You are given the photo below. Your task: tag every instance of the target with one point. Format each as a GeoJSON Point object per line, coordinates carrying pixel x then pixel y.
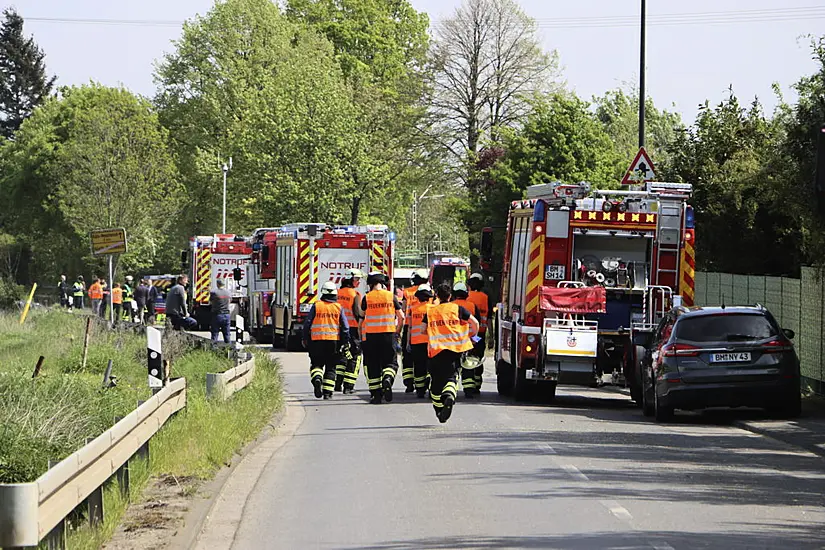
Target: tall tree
{"type": "Point", "coordinates": [488, 64]}
{"type": "Point", "coordinates": [23, 81]}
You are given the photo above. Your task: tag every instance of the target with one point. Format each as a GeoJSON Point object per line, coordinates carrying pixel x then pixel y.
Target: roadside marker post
{"type": "Point", "coordinates": [28, 304]}
{"type": "Point", "coordinates": [155, 358]}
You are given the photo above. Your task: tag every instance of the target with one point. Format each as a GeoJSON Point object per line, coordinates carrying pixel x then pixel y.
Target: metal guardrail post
{"type": "Point", "coordinates": [122, 474]}
{"type": "Point", "coordinates": [94, 502]}
{"type": "Point", "coordinates": [56, 539]}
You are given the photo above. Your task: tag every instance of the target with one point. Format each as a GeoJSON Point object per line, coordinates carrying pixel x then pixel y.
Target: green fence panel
{"type": "Point", "coordinates": [740, 290]}
{"type": "Point", "coordinates": [756, 290]}
{"type": "Point", "coordinates": [714, 289]}
{"type": "Point", "coordinates": [810, 333]}
{"type": "Point", "coordinates": [725, 288]}
{"type": "Point", "coordinates": [791, 303]}
{"type": "Point", "coordinates": [700, 287]}
{"type": "Point", "coordinates": [773, 297]}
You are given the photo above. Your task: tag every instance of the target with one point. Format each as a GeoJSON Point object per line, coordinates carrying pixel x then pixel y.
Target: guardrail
{"type": "Point", "coordinates": [31, 512]}
{"type": "Point", "coordinates": [223, 385]}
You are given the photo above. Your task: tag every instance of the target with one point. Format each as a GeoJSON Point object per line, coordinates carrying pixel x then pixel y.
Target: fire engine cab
{"type": "Point", "coordinates": [448, 270]}
{"type": "Point", "coordinates": [299, 258]}
{"type": "Point", "coordinates": [214, 257]}
{"type": "Point", "coordinates": [587, 275]}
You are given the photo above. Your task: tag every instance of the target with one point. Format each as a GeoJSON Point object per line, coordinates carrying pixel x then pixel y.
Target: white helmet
{"type": "Point", "coordinates": [421, 274]}
{"type": "Point", "coordinates": [129, 278]}
{"type": "Point", "coordinates": [353, 273]}
{"type": "Point", "coordinates": [459, 287]}
{"type": "Point", "coordinates": [329, 289]}
{"type": "Point", "coordinates": [424, 287]}
{"type": "Point", "coordinates": [478, 276]}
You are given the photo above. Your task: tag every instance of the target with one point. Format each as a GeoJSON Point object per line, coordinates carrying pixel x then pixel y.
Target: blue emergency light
{"type": "Point", "coordinates": [690, 222]}
{"type": "Point", "coordinates": [540, 211]}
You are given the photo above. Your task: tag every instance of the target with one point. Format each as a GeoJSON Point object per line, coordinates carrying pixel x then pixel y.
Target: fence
{"type": "Point", "coordinates": [796, 303]}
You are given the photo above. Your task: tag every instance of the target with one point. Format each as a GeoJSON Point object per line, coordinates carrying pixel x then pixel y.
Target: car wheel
{"type": "Point", "coordinates": [662, 413]}
{"type": "Point", "coordinates": [647, 403]}
{"type": "Point", "coordinates": [504, 378]}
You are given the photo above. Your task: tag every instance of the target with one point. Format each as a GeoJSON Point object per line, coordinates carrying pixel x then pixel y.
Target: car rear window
{"type": "Point", "coordinates": [725, 328]}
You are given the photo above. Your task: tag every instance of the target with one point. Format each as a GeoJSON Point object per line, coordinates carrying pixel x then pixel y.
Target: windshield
{"type": "Point", "coordinates": [725, 328]}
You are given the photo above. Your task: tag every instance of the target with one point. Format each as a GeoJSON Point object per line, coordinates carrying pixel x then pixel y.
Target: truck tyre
{"type": "Point", "coordinates": [285, 333]}
{"type": "Point", "coordinates": [662, 413]}
{"type": "Point", "coordinates": [634, 376]}
{"type": "Point", "coordinates": [504, 378]}
{"type": "Point", "coordinates": [522, 386]}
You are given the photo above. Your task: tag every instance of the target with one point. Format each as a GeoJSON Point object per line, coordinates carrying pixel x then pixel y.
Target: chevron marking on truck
{"type": "Point", "coordinates": [204, 273]}
{"type": "Point", "coordinates": [686, 283]}
{"type": "Point", "coordinates": [378, 257]}
{"type": "Point", "coordinates": [535, 273]}
{"type": "Point", "coordinates": [304, 292]}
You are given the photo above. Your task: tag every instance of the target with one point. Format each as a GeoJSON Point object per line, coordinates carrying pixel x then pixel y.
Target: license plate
{"type": "Point", "coordinates": [741, 357]}
{"type": "Point", "coordinates": [554, 272]}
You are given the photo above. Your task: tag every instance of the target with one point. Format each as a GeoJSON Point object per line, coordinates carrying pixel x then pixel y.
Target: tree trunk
{"type": "Point", "coordinates": [356, 210]}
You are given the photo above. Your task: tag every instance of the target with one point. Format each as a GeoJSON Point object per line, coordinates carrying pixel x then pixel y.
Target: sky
{"type": "Point", "coordinates": [695, 50]}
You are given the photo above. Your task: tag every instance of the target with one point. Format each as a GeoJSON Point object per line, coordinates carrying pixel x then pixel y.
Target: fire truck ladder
{"type": "Point", "coordinates": [669, 237]}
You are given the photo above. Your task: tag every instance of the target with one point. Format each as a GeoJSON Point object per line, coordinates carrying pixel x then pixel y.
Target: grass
{"type": "Point", "coordinates": [51, 416]}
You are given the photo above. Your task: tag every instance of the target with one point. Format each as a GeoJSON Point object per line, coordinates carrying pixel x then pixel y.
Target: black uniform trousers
{"type": "Point", "coordinates": [443, 377]}
{"type": "Point", "coordinates": [350, 363]}
{"type": "Point", "coordinates": [471, 378]}
{"type": "Point", "coordinates": [379, 358]}
{"type": "Point", "coordinates": [407, 361]}
{"type": "Point", "coordinates": [323, 357]}
{"type": "Point", "coordinates": [418, 353]}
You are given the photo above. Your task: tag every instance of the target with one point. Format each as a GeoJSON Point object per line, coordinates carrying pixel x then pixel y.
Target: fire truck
{"type": "Point", "coordinates": [448, 270]}
{"type": "Point", "coordinates": [586, 277]}
{"type": "Point", "coordinates": [299, 258]}
{"type": "Point", "coordinates": [216, 257]}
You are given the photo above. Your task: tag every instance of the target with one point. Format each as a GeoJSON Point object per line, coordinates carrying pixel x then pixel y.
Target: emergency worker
{"type": "Point", "coordinates": [449, 329]}
{"type": "Point", "coordinates": [117, 301]}
{"type": "Point", "coordinates": [104, 303]}
{"type": "Point", "coordinates": [482, 302]}
{"type": "Point", "coordinates": [417, 347]}
{"type": "Point", "coordinates": [350, 360]}
{"type": "Point", "coordinates": [96, 296]}
{"type": "Point", "coordinates": [383, 320]}
{"type": "Point", "coordinates": [63, 291]}
{"type": "Point", "coordinates": [327, 328]}
{"type": "Point", "coordinates": [407, 371]}
{"type": "Point", "coordinates": [128, 298]}
{"type": "Point", "coordinates": [468, 380]}
{"type": "Point", "coordinates": [78, 292]}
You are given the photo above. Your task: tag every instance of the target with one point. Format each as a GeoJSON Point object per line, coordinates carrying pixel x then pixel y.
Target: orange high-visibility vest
{"type": "Point", "coordinates": [410, 300]}
{"type": "Point", "coordinates": [380, 314]}
{"type": "Point", "coordinates": [418, 328]}
{"type": "Point", "coordinates": [446, 331]}
{"type": "Point", "coordinates": [468, 305]}
{"type": "Point", "coordinates": [347, 297]}
{"type": "Point", "coordinates": [117, 295]}
{"type": "Point", "coordinates": [482, 302]}
{"type": "Point", "coordinates": [325, 325]}
{"type": "Point", "coordinates": [96, 291]}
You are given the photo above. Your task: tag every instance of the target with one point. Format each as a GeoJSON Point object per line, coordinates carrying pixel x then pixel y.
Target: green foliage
{"type": "Point", "coordinates": [23, 81]}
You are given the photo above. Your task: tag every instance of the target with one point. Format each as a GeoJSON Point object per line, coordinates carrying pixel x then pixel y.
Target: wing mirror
{"type": "Point", "coordinates": [789, 333]}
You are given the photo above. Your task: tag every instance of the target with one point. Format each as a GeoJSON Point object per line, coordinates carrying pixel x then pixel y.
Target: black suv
{"type": "Point", "coordinates": [705, 357]}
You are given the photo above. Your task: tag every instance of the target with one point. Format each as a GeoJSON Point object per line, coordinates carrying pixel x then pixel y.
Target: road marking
{"type": "Point", "coordinates": [545, 448]}
{"type": "Point", "coordinates": [661, 546]}
{"type": "Point", "coordinates": [574, 472]}
{"type": "Point", "coordinates": [617, 509]}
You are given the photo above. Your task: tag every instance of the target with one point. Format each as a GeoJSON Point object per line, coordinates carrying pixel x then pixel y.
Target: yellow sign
{"type": "Point", "coordinates": [108, 241]}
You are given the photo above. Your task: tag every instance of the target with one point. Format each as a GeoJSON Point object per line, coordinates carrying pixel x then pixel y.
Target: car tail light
{"type": "Point", "coordinates": [680, 350]}
{"type": "Point", "coordinates": [776, 346]}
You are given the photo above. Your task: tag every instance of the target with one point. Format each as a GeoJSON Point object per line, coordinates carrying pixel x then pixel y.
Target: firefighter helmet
{"type": "Point", "coordinates": [419, 276]}
{"type": "Point", "coordinates": [355, 273]}
{"type": "Point", "coordinates": [329, 289]}
{"type": "Point", "coordinates": [459, 287]}
{"type": "Point", "coordinates": [376, 278]}
{"type": "Point", "coordinates": [477, 275]}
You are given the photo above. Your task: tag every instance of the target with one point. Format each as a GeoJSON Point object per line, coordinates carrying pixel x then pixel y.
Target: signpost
{"type": "Point", "coordinates": [109, 242]}
{"type": "Point", "coordinates": [641, 170]}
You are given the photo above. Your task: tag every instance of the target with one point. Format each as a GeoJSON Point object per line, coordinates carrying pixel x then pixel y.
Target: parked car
{"type": "Point", "coordinates": [703, 357]}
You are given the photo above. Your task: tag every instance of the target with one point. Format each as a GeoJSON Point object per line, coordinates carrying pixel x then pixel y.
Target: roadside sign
{"type": "Point", "coordinates": [641, 170]}
{"type": "Point", "coordinates": [108, 241]}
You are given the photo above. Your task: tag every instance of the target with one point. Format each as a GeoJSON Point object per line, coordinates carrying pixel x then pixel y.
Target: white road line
{"type": "Point", "coordinates": [617, 509]}
{"type": "Point", "coordinates": [574, 472]}
{"type": "Point", "coordinates": [545, 448]}
{"type": "Point", "coordinates": [661, 546]}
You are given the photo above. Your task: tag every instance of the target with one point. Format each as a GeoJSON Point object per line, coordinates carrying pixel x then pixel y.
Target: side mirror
{"type": "Point", "coordinates": [237, 274]}
{"type": "Point", "coordinates": [486, 248]}
{"type": "Point", "coordinates": [184, 259]}
{"type": "Point", "coordinates": [265, 253]}
{"type": "Point", "coordinates": [789, 333]}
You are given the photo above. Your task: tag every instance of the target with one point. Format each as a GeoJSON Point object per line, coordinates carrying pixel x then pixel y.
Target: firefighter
{"type": "Point", "coordinates": [383, 320]}
{"type": "Point", "coordinates": [468, 379]}
{"type": "Point", "coordinates": [482, 302]}
{"type": "Point", "coordinates": [417, 346]}
{"type": "Point", "coordinates": [327, 328]}
{"type": "Point", "coordinates": [78, 292]}
{"type": "Point", "coordinates": [449, 330]}
{"type": "Point", "coordinates": [117, 301]}
{"type": "Point", "coordinates": [350, 300]}
{"type": "Point", "coordinates": [407, 371]}
{"type": "Point", "coordinates": [96, 295]}
{"type": "Point", "coordinates": [128, 298]}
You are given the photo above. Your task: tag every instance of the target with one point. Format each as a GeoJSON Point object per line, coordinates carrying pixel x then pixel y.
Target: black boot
{"type": "Point", "coordinates": [316, 384]}
{"type": "Point", "coordinates": [339, 381]}
{"type": "Point", "coordinates": [421, 393]}
{"type": "Point", "coordinates": [327, 395]}
{"type": "Point", "coordinates": [386, 384]}
{"type": "Point", "coordinates": [447, 409]}
{"type": "Point", "coordinates": [377, 398]}
{"type": "Point", "coordinates": [410, 386]}
{"type": "Point", "coordinates": [348, 389]}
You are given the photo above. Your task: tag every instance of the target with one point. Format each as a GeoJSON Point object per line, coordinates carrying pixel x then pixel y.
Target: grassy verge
{"type": "Point", "coordinates": [50, 417]}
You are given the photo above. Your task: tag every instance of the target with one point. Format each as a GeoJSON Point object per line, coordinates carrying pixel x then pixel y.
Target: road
{"type": "Point", "coordinates": [588, 471]}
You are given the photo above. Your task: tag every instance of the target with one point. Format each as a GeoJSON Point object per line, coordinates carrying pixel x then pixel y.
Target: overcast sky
{"type": "Point", "coordinates": [696, 49]}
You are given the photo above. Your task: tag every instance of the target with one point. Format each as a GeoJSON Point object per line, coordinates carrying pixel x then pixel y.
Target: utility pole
{"type": "Point", "coordinates": [226, 169]}
{"type": "Point", "coordinates": [642, 79]}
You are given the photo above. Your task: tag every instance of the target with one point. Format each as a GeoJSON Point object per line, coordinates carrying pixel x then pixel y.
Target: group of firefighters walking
{"type": "Point", "coordinates": [440, 331]}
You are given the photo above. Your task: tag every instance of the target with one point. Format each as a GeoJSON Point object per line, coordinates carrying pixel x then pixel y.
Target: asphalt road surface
{"type": "Point", "coordinates": [587, 471]}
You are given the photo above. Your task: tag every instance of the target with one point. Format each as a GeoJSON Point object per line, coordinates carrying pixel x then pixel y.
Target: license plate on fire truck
{"type": "Point", "coordinates": [554, 272]}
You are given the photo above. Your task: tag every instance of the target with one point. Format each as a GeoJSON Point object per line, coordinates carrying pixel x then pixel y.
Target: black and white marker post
{"type": "Point", "coordinates": [155, 357]}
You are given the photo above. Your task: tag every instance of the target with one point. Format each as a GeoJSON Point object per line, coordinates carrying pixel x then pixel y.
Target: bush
{"type": "Point", "coordinates": [10, 294]}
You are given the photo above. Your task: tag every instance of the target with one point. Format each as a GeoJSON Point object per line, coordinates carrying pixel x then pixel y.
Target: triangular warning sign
{"type": "Point", "coordinates": [641, 169]}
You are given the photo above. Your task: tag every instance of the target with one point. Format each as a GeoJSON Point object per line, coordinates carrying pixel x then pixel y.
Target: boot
{"type": "Point", "coordinates": [339, 381]}
{"type": "Point", "coordinates": [447, 409]}
{"type": "Point", "coordinates": [316, 384]}
{"type": "Point", "coordinates": [421, 393]}
{"type": "Point", "coordinates": [386, 385]}
{"type": "Point", "coordinates": [348, 389]}
{"type": "Point", "coordinates": [377, 398]}
{"type": "Point", "coordinates": [410, 386]}
{"type": "Point", "coordinates": [327, 395]}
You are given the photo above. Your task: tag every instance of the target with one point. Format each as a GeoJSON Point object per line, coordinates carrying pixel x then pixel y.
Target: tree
{"type": "Point", "coordinates": [618, 111]}
{"type": "Point", "coordinates": [246, 82]}
{"type": "Point", "coordinates": [23, 81]}
{"type": "Point", "coordinates": [94, 157]}
{"type": "Point", "coordinates": [488, 65]}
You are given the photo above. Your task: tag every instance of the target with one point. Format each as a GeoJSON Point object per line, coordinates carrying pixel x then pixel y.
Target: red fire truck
{"type": "Point", "coordinates": [586, 277]}
{"type": "Point", "coordinates": [299, 258]}
{"type": "Point", "coordinates": [211, 258]}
